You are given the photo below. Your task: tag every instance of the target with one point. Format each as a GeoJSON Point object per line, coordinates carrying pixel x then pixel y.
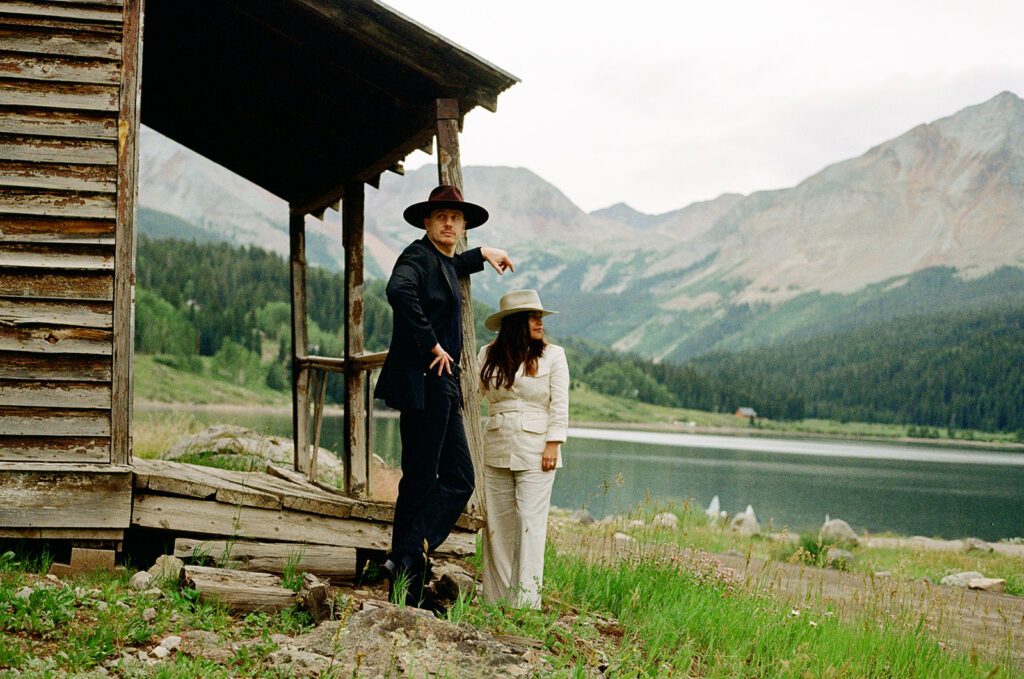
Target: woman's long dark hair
{"type": "Point", "coordinates": [512, 348]}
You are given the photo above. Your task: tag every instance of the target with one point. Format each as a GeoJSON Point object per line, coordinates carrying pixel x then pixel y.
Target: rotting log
{"type": "Point", "coordinates": [271, 557]}
{"type": "Point", "coordinates": [238, 591]}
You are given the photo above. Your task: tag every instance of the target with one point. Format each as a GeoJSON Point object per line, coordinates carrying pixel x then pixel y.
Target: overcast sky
{"type": "Point", "coordinates": [659, 103]}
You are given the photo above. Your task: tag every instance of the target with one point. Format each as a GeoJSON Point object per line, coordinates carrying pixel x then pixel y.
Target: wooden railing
{"type": "Point", "coordinates": [356, 449]}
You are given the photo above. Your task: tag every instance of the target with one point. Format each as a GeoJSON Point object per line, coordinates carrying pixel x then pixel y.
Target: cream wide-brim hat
{"type": "Point", "coordinates": [513, 303]}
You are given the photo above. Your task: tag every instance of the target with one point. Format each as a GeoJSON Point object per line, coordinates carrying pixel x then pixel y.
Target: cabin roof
{"type": "Point", "coordinates": [300, 96]}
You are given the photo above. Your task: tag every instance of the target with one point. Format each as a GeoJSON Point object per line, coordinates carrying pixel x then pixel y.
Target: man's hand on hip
{"type": "Point", "coordinates": [498, 259]}
{"type": "Point", "coordinates": [442, 360]}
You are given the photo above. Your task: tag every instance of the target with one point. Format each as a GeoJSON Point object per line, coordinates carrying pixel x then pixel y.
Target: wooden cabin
{"type": "Point", "coordinates": [309, 99]}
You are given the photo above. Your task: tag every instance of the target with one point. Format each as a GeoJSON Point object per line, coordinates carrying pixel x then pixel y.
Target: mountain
{"type": "Point", "coordinates": [941, 205]}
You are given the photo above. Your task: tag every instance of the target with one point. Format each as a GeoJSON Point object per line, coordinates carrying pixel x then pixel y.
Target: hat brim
{"type": "Point", "coordinates": [417, 212]}
{"type": "Point", "coordinates": [493, 322]}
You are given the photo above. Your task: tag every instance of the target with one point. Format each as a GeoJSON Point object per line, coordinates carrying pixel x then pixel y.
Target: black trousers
{"type": "Point", "coordinates": [437, 471]}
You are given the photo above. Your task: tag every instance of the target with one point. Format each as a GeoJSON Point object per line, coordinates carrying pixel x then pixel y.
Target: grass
{"type": "Point", "coordinates": [158, 381]}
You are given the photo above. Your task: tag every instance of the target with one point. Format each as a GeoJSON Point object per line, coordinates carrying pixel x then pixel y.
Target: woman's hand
{"type": "Point", "coordinates": [549, 460]}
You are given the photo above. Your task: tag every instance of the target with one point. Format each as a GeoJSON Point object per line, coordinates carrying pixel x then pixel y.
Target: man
{"type": "Point", "coordinates": [420, 379]}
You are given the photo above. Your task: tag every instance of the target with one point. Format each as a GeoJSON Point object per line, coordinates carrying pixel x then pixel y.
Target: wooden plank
{"type": "Point", "coordinates": [71, 96]}
{"type": "Point", "coordinates": [57, 256]}
{"type": "Point", "coordinates": [176, 478]}
{"type": "Point", "coordinates": [27, 202]}
{"type": "Point", "coordinates": [271, 557]}
{"type": "Point", "coordinates": [56, 177]}
{"type": "Point", "coordinates": [124, 257]}
{"type": "Point", "coordinates": [57, 341]}
{"type": "Point", "coordinates": [51, 449]}
{"type": "Point", "coordinates": [355, 457]}
{"type": "Point", "coordinates": [70, 44]}
{"type": "Point", "coordinates": [53, 422]}
{"type": "Point", "coordinates": [55, 394]}
{"type": "Point", "coordinates": [305, 499]}
{"type": "Point", "coordinates": [103, 534]}
{"type": "Point", "coordinates": [239, 591]}
{"type": "Point", "coordinates": [56, 367]}
{"type": "Point", "coordinates": [37, 229]}
{"type": "Point", "coordinates": [59, 69]}
{"type": "Point", "coordinates": [31, 312]}
{"type": "Point", "coordinates": [49, 123]}
{"type": "Point", "coordinates": [108, 14]}
{"type": "Point", "coordinates": [65, 496]}
{"type": "Point", "coordinates": [57, 150]}
{"type": "Point", "coordinates": [218, 519]}
{"type": "Point", "coordinates": [91, 285]}
{"type": "Point", "coordinates": [300, 346]}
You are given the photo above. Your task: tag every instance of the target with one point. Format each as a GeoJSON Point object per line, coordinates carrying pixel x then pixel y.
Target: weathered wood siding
{"type": "Point", "coordinates": [67, 70]}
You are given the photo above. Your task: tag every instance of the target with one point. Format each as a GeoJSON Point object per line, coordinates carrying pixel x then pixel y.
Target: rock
{"type": "Point", "coordinates": [745, 524]}
{"type": "Point", "coordinates": [838, 532]}
{"type": "Point", "coordinates": [838, 558]}
{"type": "Point", "coordinates": [883, 574]}
{"type": "Point", "coordinates": [665, 520]}
{"type": "Point", "coordinates": [154, 591]}
{"type": "Point", "coordinates": [635, 524]}
{"type": "Point", "coordinates": [734, 552]}
{"type": "Point", "coordinates": [453, 581]}
{"type": "Point", "coordinates": [625, 542]}
{"type": "Point", "coordinates": [972, 544]}
{"type": "Point", "coordinates": [925, 580]}
{"type": "Point", "coordinates": [291, 663]}
{"type": "Point", "coordinates": [53, 578]}
{"type": "Point", "coordinates": [171, 642]}
{"type": "Point", "coordinates": [140, 581]}
{"type": "Point", "coordinates": [582, 516]}
{"type": "Point", "coordinates": [24, 593]}
{"type": "Point", "coordinates": [203, 644]}
{"type": "Point", "coordinates": [987, 584]}
{"type": "Point", "coordinates": [960, 579]}
{"type": "Point", "coordinates": [231, 442]}
{"type": "Point", "coordinates": [101, 606]}
{"type": "Point", "coordinates": [160, 652]}
{"type": "Point", "coordinates": [149, 615]}
{"type": "Point", "coordinates": [167, 567]}
{"type": "Point", "coordinates": [143, 656]}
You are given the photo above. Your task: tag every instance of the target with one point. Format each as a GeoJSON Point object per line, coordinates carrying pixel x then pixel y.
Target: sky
{"type": "Point", "coordinates": [660, 104]}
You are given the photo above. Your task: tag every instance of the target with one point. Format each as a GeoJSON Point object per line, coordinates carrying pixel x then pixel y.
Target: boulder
{"type": "Point", "coordinates": [960, 579]}
{"type": "Point", "coordinates": [974, 544]}
{"type": "Point", "coordinates": [582, 516]}
{"type": "Point", "coordinates": [635, 524]}
{"type": "Point", "coordinates": [746, 523]}
{"type": "Point", "coordinates": [140, 581]}
{"type": "Point", "coordinates": [232, 442]}
{"type": "Point", "coordinates": [837, 532]}
{"type": "Point", "coordinates": [166, 567]}
{"type": "Point", "coordinates": [838, 558]}
{"type": "Point", "coordinates": [453, 581]}
{"type": "Point", "coordinates": [665, 520]}
{"type": "Point", "coordinates": [987, 584]}
{"type": "Point", "coordinates": [625, 542]}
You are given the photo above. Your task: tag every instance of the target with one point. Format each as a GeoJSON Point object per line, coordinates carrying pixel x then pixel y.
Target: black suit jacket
{"type": "Point", "coordinates": [421, 299]}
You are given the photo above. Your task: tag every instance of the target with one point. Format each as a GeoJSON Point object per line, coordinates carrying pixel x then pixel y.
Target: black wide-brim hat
{"type": "Point", "coordinates": [445, 197]}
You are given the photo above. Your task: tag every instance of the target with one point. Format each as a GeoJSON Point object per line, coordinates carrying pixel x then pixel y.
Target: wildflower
{"type": "Point", "coordinates": [812, 623]}
{"type": "Point", "coordinates": [795, 612]}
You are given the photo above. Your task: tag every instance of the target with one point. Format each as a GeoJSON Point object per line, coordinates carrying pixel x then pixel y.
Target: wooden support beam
{"type": "Point", "coordinates": [271, 557]}
{"type": "Point", "coordinates": [300, 345]}
{"type": "Point", "coordinates": [124, 236]}
{"type": "Point", "coordinates": [356, 455]}
{"type": "Point", "coordinates": [78, 496]}
{"type": "Point", "coordinates": [238, 591]}
{"type": "Point", "coordinates": [320, 391]}
{"type": "Point", "coordinates": [449, 171]}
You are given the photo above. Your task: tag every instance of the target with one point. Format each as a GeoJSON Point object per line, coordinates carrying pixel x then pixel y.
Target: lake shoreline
{"type": "Point", "coordinates": [658, 427]}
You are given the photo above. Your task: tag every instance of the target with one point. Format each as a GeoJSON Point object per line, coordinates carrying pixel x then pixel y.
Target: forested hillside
{"type": "Point", "coordinates": [954, 369]}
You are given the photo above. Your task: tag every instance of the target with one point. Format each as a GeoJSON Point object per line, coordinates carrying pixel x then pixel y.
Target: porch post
{"type": "Point", "coordinates": [449, 171]}
{"type": "Point", "coordinates": [356, 452]}
{"type": "Point", "coordinates": [300, 349]}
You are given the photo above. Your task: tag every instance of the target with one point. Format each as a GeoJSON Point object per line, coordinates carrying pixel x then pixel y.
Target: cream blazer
{"type": "Point", "coordinates": [524, 418]}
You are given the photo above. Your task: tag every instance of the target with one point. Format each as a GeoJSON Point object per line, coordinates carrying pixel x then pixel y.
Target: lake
{"type": "Point", "coordinates": [911, 490]}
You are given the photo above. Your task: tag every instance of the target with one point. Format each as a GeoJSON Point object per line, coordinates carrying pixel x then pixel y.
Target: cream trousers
{"type": "Point", "coordinates": [517, 524]}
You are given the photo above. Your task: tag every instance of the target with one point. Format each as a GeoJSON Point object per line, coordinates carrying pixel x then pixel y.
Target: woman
{"type": "Point", "coordinates": [526, 383]}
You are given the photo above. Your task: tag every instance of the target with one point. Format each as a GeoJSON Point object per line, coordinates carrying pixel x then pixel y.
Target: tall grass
{"type": "Point", "coordinates": [686, 616]}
